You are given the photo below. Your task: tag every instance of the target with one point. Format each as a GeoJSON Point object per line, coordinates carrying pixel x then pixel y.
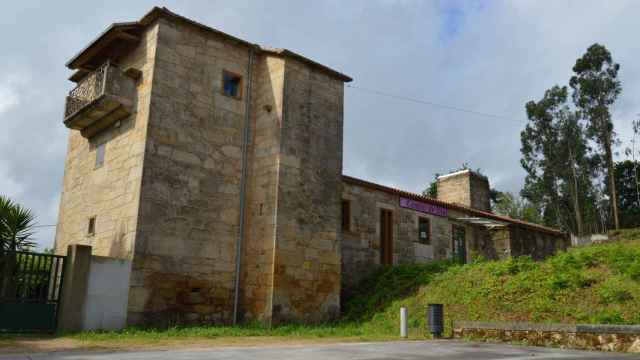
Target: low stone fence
{"type": "Point", "coordinates": [622, 338]}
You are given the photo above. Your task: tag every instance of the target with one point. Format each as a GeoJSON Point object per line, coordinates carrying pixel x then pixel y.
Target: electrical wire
{"type": "Point", "coordinates": [426, 102]}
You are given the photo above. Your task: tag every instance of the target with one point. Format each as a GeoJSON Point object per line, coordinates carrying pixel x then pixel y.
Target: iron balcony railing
{"type": "Point", "coordinates": [101, 98]}
{"type": "Point", "coordinates": [88, 89]}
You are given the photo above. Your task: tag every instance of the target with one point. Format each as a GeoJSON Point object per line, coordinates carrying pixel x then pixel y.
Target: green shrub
{"type": "Point", "coordinates": [614, 290]}
{"type": "Point", "coordinates": [633, 271]}
{"type": "Point", "coordinates": [608, 316]}
{"type": "Point", "coordinates": [590, 284]}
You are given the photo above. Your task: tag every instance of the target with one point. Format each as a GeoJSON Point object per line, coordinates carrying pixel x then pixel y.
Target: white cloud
{"type": "Point", "coordinates": [487, 56]}
{"type": "Point", "coordinates": [9, 96]}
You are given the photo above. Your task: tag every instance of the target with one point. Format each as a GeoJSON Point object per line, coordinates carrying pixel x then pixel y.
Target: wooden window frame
{"type": "Point", "coordinates": [240, 84]}
{"type": "Point", "coordinates": [428, 220]}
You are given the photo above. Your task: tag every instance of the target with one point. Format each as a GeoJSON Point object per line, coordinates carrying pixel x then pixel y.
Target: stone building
{"type": "Point", "coordinates": [215, 166]}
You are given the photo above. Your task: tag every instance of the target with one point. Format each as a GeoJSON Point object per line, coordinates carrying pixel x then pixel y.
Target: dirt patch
{"type": "Point", "coordinates": [56, 344]}
{"type": "Point", "coordinates": [37, 344]}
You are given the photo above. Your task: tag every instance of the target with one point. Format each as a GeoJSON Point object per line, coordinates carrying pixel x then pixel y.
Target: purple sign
{"type": "Point", "coordinates": [423, 207]}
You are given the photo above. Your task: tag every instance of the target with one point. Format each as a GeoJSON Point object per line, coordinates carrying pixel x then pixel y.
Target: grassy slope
{"type": "Point", "coordinates": [593, 284]}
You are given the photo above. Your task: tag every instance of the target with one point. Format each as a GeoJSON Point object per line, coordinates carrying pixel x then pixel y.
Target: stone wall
{"type": "Point", "coordinates": [306, 284]}
{"type": "Point", "coordinates": [262, 189]}
{"type": "Point", "coordinates": [588, 337]}
{"type": "Point", "coordinates": [361, 245]}
{"type": "Point", "coordinates": [111, 192]}
{"type": "Point", "coordinates": [536, 244]}
{"type": "Point", "coordinates": [184, 263]}
{"type": "Point", "coordinates": [492, 244]}
{"type": "Point", "coordinates": [466, 188]}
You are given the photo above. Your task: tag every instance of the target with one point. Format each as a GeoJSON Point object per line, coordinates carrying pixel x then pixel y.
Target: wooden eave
{"type": "Point", "coordinates": [129, 32]}
{"type": "Point", "coordinates": [113, 42]}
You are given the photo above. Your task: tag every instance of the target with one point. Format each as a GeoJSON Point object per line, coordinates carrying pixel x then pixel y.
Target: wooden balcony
{"type": "Point", "coordinates": [101, 98]}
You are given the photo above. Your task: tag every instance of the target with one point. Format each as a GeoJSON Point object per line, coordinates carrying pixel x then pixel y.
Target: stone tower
{"type": "Point", "coordinates": [212, 164]}
{"type": "Point", "coordinates": [465, 187]}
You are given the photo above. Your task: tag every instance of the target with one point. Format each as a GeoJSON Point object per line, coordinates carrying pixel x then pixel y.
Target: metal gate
{"type": "Point", "coordinates": [30, 286]}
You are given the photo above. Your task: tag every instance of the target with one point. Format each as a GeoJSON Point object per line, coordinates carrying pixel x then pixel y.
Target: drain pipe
{"type": "Point", "coordinates": [243, 184]}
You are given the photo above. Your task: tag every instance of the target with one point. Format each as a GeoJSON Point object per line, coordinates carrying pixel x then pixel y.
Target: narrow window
{"type": "Point", "coordinates": [231, 84]}
{"type": "Point", "coordinates": [346, 215]}
{"type": "Point", "coordinates": [386, 237]}
{"type": "Point", "coordinates": [91, 228]}
{"type": "Point", "coordinates": [424, 231]}
{"type": "Point", "coordinates": [100, 155]}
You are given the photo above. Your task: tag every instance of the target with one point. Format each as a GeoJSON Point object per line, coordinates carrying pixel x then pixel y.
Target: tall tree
{"type": "Point", "coordinates": [634, 153]}
{"type": "Point", "coordinates": [555, 156]}
{"type": "Point", "coordinates": [628, 200]}
{"type": "Point", "coordinates": [595, 88]}
{"type": "Point", "coordinates": [508, 204]}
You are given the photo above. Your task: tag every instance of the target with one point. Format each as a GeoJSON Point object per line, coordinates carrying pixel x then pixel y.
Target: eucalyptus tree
{"type": "Point", "coordinates": [556, 157]}
{"type": "Point", "coordinates": [634, 152]}
{"type": "Point", "coordinates": [596, 87]}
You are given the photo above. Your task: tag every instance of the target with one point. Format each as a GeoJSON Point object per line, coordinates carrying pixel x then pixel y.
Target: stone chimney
{"type": "Point", "coordinates": [465, 187]}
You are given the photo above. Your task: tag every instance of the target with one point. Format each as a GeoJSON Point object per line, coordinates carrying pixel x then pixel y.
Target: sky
{"type": "Point", "coordinates": [484, 56]}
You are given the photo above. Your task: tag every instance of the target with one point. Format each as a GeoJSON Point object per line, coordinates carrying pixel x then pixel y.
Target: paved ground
{"type": "Point", "coordinates": [445, 349]}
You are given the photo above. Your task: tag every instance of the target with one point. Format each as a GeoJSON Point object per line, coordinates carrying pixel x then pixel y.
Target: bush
{"type": "Point", "coordinates": [591, 284]}
{"type": "Point", "coordinates": [614, 290]}
{"type": "Point", "coordinates": [608, 316]}
{"type": "Point", "coordinates": [633, 271]}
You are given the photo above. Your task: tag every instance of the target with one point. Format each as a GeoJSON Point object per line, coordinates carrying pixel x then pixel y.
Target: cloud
{"type": "Point", "coordinates": [9, 96]}
{"type": "Point", "coordinates": [489, 56]}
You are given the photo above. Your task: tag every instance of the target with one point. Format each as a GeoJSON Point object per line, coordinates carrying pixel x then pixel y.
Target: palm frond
{"type": "Point", "coordinates": [16, 226]}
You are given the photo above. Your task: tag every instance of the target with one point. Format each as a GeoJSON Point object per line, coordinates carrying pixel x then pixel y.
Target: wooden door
{"type": "Point", "coordinates": [386, 237]}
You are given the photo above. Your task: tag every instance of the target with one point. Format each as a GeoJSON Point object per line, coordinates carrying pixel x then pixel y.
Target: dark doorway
{"type": "Point", "coordinates": [459, 244]}
{"type": "Point", "coordinates": [386, 237]}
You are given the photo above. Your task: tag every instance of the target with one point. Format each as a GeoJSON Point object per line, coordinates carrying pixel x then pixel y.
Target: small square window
{"type": "Point", "coordinates": [100, 152]}
{"type": "Point", "coordinates": [91, 228]}
{"type": "Point", "coordinates": [424, 231]}
{"type": "Point", "coordinates": [231, 84]}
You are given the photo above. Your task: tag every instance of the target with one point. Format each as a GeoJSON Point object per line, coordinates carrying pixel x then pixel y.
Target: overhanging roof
{"type": "Point", "coordinates": [488, 223]}
{"type": "Point", "coordinates": [123, 29]}
{"type": "Point", "coordinates": [453, 206]}
{"type": "Point", "coordinates": [116, 31]}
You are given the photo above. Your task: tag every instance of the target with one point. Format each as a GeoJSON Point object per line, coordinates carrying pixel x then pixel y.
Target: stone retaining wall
{"type": "Point", "coordinates": [623, 338]}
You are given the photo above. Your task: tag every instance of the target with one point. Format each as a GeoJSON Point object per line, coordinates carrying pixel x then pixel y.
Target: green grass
{"type": "Point", "coordinates": [336, 330]}
{"type": "Point", "coordinates": [597, 284]}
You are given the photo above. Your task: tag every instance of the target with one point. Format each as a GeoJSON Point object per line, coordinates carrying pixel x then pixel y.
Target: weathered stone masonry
{"type": "Point", "coordinates": [485, 234]}
{"type": "Point", "coordinates": [169, 195]}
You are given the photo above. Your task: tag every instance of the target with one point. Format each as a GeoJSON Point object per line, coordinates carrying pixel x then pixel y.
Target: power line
{"type": "Point", "coordinates": [39, 226]}
{"type": "Point", "coordinates": [426, 102]}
